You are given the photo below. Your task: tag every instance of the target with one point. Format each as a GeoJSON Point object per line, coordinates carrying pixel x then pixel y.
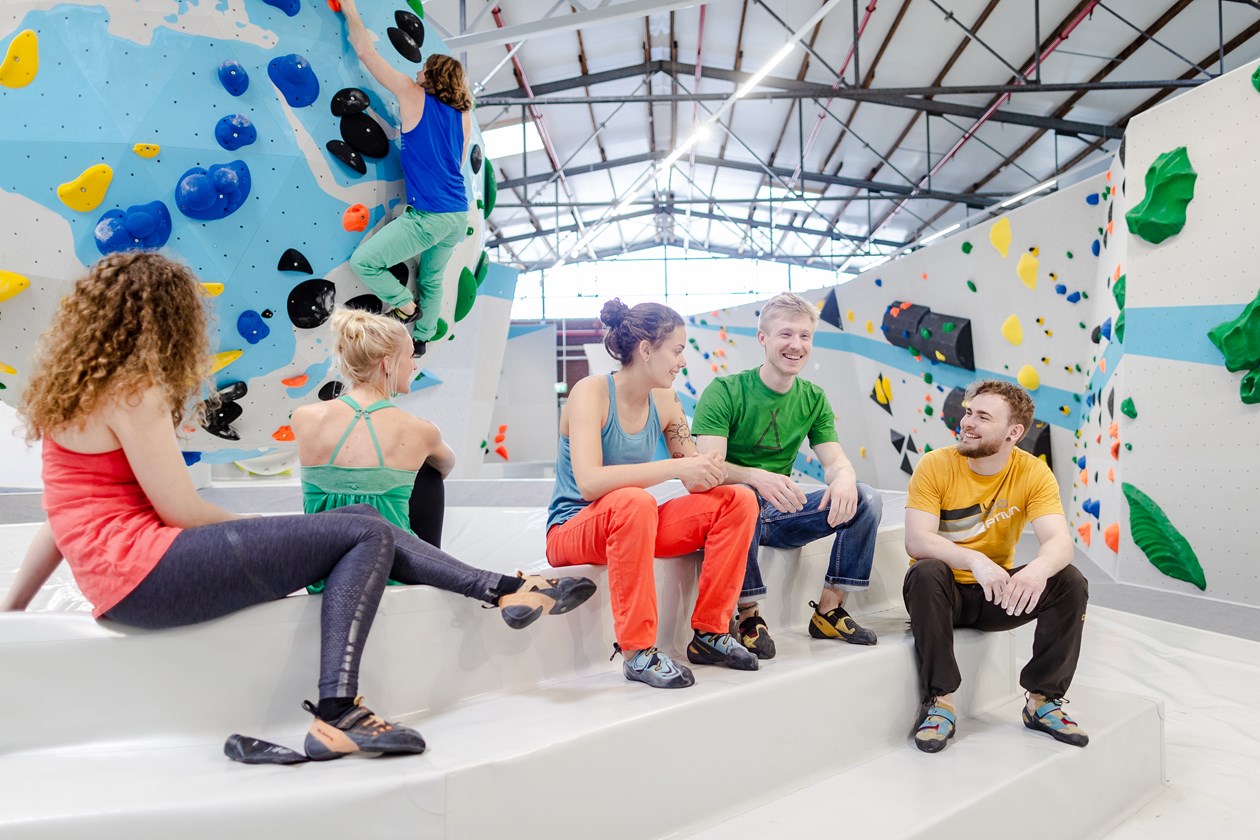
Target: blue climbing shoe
{"type": "Point", "coordinates": [655, 668]}
{"type": "Point", "coordinates": [720, 649]}
{"type": "Point", "coordinates": [936, 728]}
{"type": "Point", "coordinates": [1052, 720]}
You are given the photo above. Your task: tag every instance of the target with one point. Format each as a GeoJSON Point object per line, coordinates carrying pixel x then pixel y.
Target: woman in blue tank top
{"type": "Point", "coordinates": [600, 512]}
{"type": "Point", "coordinates": [435, 111]}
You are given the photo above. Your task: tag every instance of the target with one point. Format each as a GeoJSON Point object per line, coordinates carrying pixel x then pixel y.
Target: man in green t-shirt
{"type": "Point", "coordinates": [757, 421]}
{"type": "Point", "coordinates": [965, 511]}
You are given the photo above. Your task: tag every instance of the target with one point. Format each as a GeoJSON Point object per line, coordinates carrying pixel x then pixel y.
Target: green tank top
{"type": "Point", "coordinates": [388, 489]}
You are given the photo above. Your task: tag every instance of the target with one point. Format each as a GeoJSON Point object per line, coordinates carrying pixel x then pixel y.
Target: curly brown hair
{"type": "Point", "coordinates": [135, 320]}
{"type": "Point", "coordinates": [445, 80]}
{"type": "Point", "coordinates": [1016, 398]}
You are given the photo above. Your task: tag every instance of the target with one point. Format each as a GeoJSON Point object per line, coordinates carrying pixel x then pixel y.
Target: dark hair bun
{"type": "Point", "coordinates": [614, 313]}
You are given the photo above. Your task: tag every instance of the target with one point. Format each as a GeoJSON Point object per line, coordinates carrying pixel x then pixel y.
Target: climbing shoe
{"type": "Point", "coordinates": [1052, 720]}
{"type": "Point", "coordinates": [404, 317]}
{"type": "Point", "coordinates": [358, 730]}
{"type": "Point", "coordinates": [754, 635]}
{"type": "Point", "coordinates": [538, 594]}
{"type": "Point", "coordinates": [720, 649]}
{"type": "Point", "coordinates": [838, 624]}
{"type": "Point", "coordinates": [654, 668]}
{"type": "Point", "coordinates": [936, 728]}
{"type": "Point", "coordinates": [418, 348]}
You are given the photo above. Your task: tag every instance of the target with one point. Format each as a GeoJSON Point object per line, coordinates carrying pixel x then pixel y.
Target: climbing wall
{"type": "Point", "coordinates": [525, 412]}
{"type": "Point", "coordinates": [242, 138]}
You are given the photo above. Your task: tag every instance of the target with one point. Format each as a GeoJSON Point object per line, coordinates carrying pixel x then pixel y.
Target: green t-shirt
{"type": "Point", "coordinates": [763, 428]}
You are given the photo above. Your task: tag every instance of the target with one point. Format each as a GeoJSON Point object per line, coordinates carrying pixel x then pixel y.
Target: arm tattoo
{"type": "Point", "coordinates": [678, 432]}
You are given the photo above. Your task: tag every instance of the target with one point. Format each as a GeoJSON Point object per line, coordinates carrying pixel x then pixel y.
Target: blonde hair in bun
{"type": "Point", "coordinates": [361, 340]}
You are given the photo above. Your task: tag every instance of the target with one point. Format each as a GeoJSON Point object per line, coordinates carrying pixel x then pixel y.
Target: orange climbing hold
{"type": "Point", "coordinates": [283, 434]}
{"type": "Point", "coordinates": [335, 5]}
{"type": "Point", "coordinates": [499, 438]}
{"type": "Point", "coordinates": [1102, 365]}
{"type": "Point", "coordinates": [1114, 430]}
{"type": "Point", "coordinates": [1111, 474]}
{"type": "Point", "coordinates": [1115, 450]}
{"type": "Point", "coordinates": [295, 381]}
{"type": "Point", "coordinates": [1085, 477]}
{"type": "Point", "coordinates": [1086, 533]}
{"type": "Point", "coordinates": [501, 451]}
{"type": "Point", "coordinates": [1112, 536]}
{"type": "Point", "coordinates": [355, 218]}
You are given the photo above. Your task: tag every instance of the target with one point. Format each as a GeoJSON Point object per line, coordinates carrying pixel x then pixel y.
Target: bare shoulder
{"type": "Point", "coordinates": [590, 388]}
{"type": "Point", "coordinates": [668, 405]}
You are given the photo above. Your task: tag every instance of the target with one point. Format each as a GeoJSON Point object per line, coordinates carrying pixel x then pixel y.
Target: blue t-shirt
{"type": "Point", "coordinates": [432, 159]}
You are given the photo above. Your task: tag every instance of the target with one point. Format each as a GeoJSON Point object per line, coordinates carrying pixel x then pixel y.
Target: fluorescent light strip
{"type": "Point", "coordinates": [925, 240]}
{"type": "Point", "coordinates": [1017, 199]}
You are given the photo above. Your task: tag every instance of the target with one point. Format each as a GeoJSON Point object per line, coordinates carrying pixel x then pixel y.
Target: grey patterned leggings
{"type": "Point", "coordinates": [218, 569]}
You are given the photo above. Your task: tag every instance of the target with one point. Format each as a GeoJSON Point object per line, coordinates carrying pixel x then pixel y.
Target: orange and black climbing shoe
{"type": "Point", "coordinates": [358, 730]}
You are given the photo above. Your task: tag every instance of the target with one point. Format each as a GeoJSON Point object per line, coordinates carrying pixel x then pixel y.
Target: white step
{"type": "Point", "coordinates": [591, 756]}
{"type": "Point", "coordinates": [996, 779]}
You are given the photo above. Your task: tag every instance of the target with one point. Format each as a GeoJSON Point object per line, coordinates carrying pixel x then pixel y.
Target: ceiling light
{"type": "Point", "coordinates": [507, 141]}
{"type": "Point", "coordinates": [1017, 199]}
{"type": "Point", "coordinates": [925, 240]}
{"type": "Point", "coordinates": [755, 78]}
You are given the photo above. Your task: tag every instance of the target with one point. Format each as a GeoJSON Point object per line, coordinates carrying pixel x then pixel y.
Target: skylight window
{"type": "Point", "coordinates": [505, 141]}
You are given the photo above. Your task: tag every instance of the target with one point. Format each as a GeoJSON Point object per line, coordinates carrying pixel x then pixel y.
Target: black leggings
{"type": "Point", "coordinates": [218, 569]}
{"type": "Point", "coordinates": [428, 505]}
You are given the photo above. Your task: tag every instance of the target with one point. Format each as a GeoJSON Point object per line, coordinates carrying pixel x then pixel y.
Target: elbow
{"type": "Point", "coordinates": [586, 489]}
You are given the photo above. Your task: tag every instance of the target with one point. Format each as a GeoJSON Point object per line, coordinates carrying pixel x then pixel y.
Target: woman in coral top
{"type": "Point", "coordinates": [116, 374]}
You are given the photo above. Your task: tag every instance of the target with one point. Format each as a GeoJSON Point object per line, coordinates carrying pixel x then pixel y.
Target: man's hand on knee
{"type": "Point", "coordinates": [779, 490]}
{"type": "Point", "coordinates": [842, 497]}
{"type": "Point", "coordinates": [1024, 590]}
{"type": "Point", "coordinates": [992, 578]}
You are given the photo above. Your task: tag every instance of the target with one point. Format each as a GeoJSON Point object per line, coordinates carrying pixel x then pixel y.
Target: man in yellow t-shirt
{"type": "Point", "coordinates": [966, 509]}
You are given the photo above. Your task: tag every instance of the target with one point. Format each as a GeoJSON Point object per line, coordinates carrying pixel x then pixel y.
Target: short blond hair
{"type": "Point", "coordinates": [361, 340]}
{"type": "Point", "coordinates": [786, 305]}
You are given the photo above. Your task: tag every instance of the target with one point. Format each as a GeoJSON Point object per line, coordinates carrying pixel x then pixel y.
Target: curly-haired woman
{"type": "Point", "coordinates": [118, 371]}
{"type": "Point", "coordinates": [600, 512]}
{"type": "Point", "coordinates": [435, 112]}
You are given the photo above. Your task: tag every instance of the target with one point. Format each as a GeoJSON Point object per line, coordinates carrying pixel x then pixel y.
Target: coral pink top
{"type": "Point", "coordinates": [104, 524]}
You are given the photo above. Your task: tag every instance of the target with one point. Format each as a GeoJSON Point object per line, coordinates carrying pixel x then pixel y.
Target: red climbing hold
{"type": "Point", "coordinates": [355, 218]}
{"type": "Point", "coordinates": [283, 434]}
{"type": "Point", "coordinates": [295, 381]}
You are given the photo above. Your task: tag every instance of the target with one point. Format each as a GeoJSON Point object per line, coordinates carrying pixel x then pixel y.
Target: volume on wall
{"type": "Point", "coordinates": [1151, 429]}
{"type": "Point", "coordinates": [245, 139]}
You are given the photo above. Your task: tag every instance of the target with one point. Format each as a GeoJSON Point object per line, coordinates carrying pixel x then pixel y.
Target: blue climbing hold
{"type": "Point", "coordinates": [1091, 199]}
{"type": "Point", "coordinates": [141, 226]}
{"type": "Point", "coordinates": [1060, 288]}
{"type": "Point", "coordinates": [1080, 463]}
{"type": "Point", "coordinates": [289, 7]}
{"type": "Point", "coordinates": [1095, 247]}
{"type": "Point", "coordinates": [214, 193]}
{"type": "Point", "coordinates": [234, 131]}
{"type": "Point", "coordinates": [878, 281]}
{"type": "Point", "coordinates": [1075, 297]}
{"type": "Point", "coordinates": [191, 458]}
{"type": "Point", "coordinates": [252, 327]}
{"type": "Point", "coordinates": [293, 75]}
{"type": "Point", "coordinates": [1106, 329]}
{"type": "Point", "coordinates": [1092, 506]}
{"type": "Point", "coordinates": [234, 78]}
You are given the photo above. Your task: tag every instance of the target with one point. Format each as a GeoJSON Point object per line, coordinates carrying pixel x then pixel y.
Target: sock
{"type": "Point", "coordinates": [507, 586]}
{"type": "Point", "coordinates": [332, 708]}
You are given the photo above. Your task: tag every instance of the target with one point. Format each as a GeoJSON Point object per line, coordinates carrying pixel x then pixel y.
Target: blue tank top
{"type": "Point", "coordinates": [432, 159]}
{"type": "Point", "coordinates": [619, 448]}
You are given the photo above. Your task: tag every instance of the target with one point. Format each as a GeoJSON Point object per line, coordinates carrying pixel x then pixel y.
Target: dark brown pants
{"type": "Point", "coordinates": [937, 604]}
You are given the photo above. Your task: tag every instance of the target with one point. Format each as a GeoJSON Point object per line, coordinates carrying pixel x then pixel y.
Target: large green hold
{"type": "Point", "coordinates": [440, 331]}
{"type": "Point", "coordinates": [1249, 390]}
{"type": "Point", "coordinates": [467, 294]}
{"type": "Point", "coordinates": [1118, 289]}
{"type": "Point", "coordinates": [1239, 339]}
{"type": "Point", "coordinates": [490, 190]}
{"type": "Point", "coordinates": [483, 266]}
{"type": "Point", "coordinates": [1159, 540]}
{"type": "Point", "coordinates": [1169, 189]}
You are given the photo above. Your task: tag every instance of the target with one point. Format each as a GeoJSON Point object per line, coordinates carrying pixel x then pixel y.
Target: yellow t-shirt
{"type": "Point", "coordinates": [985, 513]}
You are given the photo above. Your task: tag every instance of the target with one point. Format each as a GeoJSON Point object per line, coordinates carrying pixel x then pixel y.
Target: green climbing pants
{"type": "Point", "coordinates": [430, 236]}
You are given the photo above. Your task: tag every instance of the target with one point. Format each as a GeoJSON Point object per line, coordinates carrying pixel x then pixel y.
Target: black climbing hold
{"type": "Point", "coordinates": [219, 421]}
{"type": "Point", "coordinates": [349, 101]}
{"type": "Point", "coordinates": [831, 311]}
{"type": "Point", "coordinates": [1036, 441]}
{"type": "Point", "coordinates": [347, 155]}
{"type": "Point", "coordinates": [267, 313]}
{"type": "Point", "coordinates": [405, 44]}
{"type": "Point", "coordinates": [1096, 335]}
{"type": "Point", "coordinates": [898, 439]}
{"type": "Point", "coordinates": [410, 24]}
{"type": "Point", "coordinates": [232, 391]}
{"type": "Point", "coordinates": [475, 157]}
{"type": "Point", "coordinates": [364, 135]}
{"type": "Point", "coordinates": [294, 260]}
{"type": "Point", "coordinates": [311, 303]}
{"type": "Point", "coordinates": [399, 271]}
{"type": "Point", "coordinates": [1111, 403]}
{"type": "Point", "coordinates": [905, 465]}
{"type": "Point", "coordinates": [368, 303]}
{"type": "Point", "coordinates": [910, 447]}
{"type": "Point", "coordinates": [952, 411]}
{"type": "Point", "coordinates": [331, 390]}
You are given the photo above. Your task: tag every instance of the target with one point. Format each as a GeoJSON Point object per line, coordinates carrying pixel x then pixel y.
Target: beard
{"type": "Point", "coordinates": [979, 448]}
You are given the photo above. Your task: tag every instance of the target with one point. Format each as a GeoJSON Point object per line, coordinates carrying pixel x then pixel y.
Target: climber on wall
{"type": "Point", "coordinates": [435, 112]}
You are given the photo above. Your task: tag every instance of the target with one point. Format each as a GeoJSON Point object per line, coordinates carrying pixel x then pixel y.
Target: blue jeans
{"type": "Point", "coordinates": [852, 553]}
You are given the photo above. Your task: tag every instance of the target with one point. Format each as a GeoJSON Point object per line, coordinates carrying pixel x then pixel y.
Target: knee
{"type": "Point", "coordinates": [1074, 585]}
{"type": "Point", "coordinates": [631, 505]}
{"type": "Point", "coordinates": [872, 504]}
{"type": "Point", "coordinates": [740, 500]}
{"type": "Point", "coordinates": [928, 574]}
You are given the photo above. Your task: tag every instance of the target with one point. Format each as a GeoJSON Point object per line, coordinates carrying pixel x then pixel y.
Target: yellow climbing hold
{"type": "Point", "coordinates": [883, 390]}
{"type": "Point", "coordinates": [1027, 269]}
{"type": "Point", "coordinates": [21, 63]}
{"type": "Point", "coordinates": [1000, 235]}
{"type": "Point", "coordinates": [87, 191]}
{"type": "Point", "coordinates": [212, 289]}
{"type": "Point", "coordinates": [7, 368]}
{"type": "Point", "coordinates": [222, 360]}
{"type": "Point", "coordinates": [12, 284]}
{"type": "Point", "coordinates": [1013, 330]}
{"type": "Point", "coordinates": [940, 357]}
{"type": "Point", "coordinates": [862, 451]}
{"type": "Point", "coordinates": [870, 328]}
{"type": "Point", "coordinates": [1028, 378]}
{"type": "Point", "coordinates": [849, 314]}
{"type": "Point", "coordinates": [146, 150]}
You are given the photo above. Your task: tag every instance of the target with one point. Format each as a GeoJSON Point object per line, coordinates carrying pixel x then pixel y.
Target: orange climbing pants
{"type": "Point", "coordinates": [626, 529]}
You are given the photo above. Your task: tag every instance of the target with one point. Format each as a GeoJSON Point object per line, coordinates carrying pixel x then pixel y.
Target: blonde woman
{"type": "Point", "coordinates": [119, 370]}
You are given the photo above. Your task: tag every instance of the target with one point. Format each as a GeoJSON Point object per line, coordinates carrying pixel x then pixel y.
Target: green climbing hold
{"type": "Point", "coordinates": [926, 333]}
{"type": "Point", "coordinates": [467, 294]}
{"type": "Point", "coordinates": [1069, 255]}
{"type": "Point", "coordinates": [1128, 447]}
{"type": "Point", "coordinates": [1255, 79]}
{"type": "Point", "coordinates": [1169, 189]}
{"type": "Point", "coordinates": [1117, 289]}
{"type": "Point", "coordinates": [1249, 390]}
{"type": "Point", "coordinates": [927, 447]}
{"type": "Point", "coordinates": [1239, 339]}
{"type": "Point", "coordinates": [1128, 409]}
{"type": "Point", "coordinates": [483, 267]}
{"type": "Point", "coordinates": [966, 247]}
{"type": "Point", "coordinates": [928, 410]}
{"type": "Point", "coordinates": [1159, 540]}
{"type": "Point", "coordinates": [927, 378]}
{"type": "Point", "coordinates": [490, 189]}
{"type": "Point", "coordinates": [971, 285]}
{"type": "Point", "coordinates": [684, 372]}
{"type": "Point", "coordinates": [1118, 329]}
{"type": "Point", "coordinates": [440, 331]}
{"type": "Point", "coordinates": [469, 232]}
{"type": "Point", "coordinates": [417, 6]}
{"type": "Point", "coordinates": [948, 327]}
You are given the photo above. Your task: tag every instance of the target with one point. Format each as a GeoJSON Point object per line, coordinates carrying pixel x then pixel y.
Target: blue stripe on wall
{"type": "Point", "coordinates": [1176, 332]}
